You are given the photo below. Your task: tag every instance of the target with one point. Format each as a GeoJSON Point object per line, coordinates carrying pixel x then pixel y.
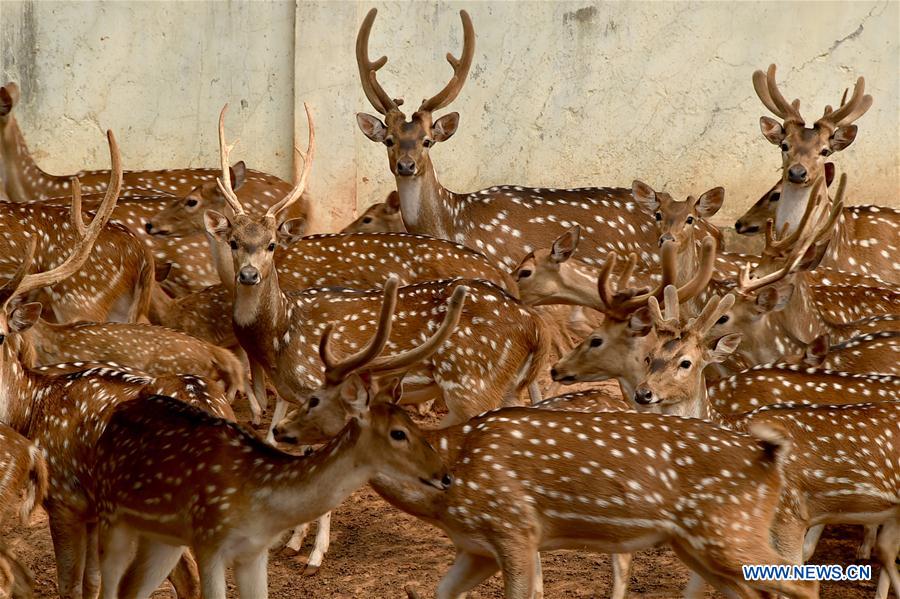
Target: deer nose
{"type": "Point", "coordinates": [406, 167]}
{"type": "Point", "coordinates": [797, 174]}
{"type": "Point", "coordinates": [643, 396]}
{"type": "Point", "coordinates": [743, 229]}
{"type": "Point", "coordinates": [248, 276]}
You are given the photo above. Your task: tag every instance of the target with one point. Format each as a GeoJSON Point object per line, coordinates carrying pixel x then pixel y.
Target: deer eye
{"type": "Point", "coordinates": [774, 197]}
{"type": "Point", "coordinates": [658, 216]}
{"type": "Point", "coordinates": [272, 247]}
{"type": "Point", "coordinates": [398, 435]}
{"type": "Point", "coordinates": [427, 143]}
{"type": "Point", "coordinates": [722, 319]}
{"type": "Point", "coordinates": [596, 342]}
{"type": "Point", "coordinates": [389, 142]}
{"type": "Point", "coordinates": [313, 402]}
{"type": "Point", "coordinates": [685, 364]}
{"type": "Point", "coordinates": [784, 147]}
{"type": "Point", "coordinates": [233, 244]}
{"type": "Point", "coordinates": [690, 220]}
{"type": "Point", "coordinates": [825, 152]}
{"type": "Point", "coordinates": [2, 338]}
{"type": "Point", "coordinates": [191, 203]}
{"type": "Point", "coordinates": [367, 220]}
{"type": "Point", "coordinates": [524, 273]}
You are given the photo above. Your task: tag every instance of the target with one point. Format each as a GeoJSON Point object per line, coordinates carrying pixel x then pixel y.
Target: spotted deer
{"type": "Point", "coordinates": [576, 480]}
{"type": "Point", "coordinates": [382, 217]}
{"type": "Point", "coordinates": [504, 222]}
{"type": "Point", "coordinates": [242, 494]}
{"type": "Point", "coordinates": [65, 414]}
{"type": "Point", "coordinates": [822, 489]}
{"type": "Point", "coordinates": [874, 352]}
{"type": "Point", "coordinates": [754, 220]}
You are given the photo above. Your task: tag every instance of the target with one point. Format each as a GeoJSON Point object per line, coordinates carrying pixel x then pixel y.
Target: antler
{"type": "Point", "coordinates": [670, 321]}
{"type": "Point", "coordinates": [850, 110]}
{"type": "Point", "coordinates": [224, 182]}
{"type": "Point", "coordinates": [77, 216]}
{"type": "Point", "coordinates": [336, 371]}
{"type": "Point", "coordinates": [300, 186]}
{"type": "Point", "coordinates": [767, 90]}
{"type": "Point", "coordinates": [460, 69]}
{"type": "Point", "coordinates": [22, 283]}
{"type": "Point", "coordinates": [817, 222]}
{"type": "Point", "coordinates": [379, 98]}
{"type": "Point", "coordinates": [712, 311]}
{"type": "Point", "coordinates": [622, 302]}
{"type": "Point", "coordinates": [415, 355]}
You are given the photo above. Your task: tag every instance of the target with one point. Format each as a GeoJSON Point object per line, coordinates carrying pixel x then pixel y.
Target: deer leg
{"type": "Point", "coordinates": [258, 378]}
{"type": "Point", "coordinates": [212, 576]}
{"type": "Point", "coordinates": [91, 583]}
{"type": "Point", "coordinates": [69, 536]}
{"type": "Point", "coordinates": [811, 540]}
{"type": "Point", "coordinates": [724, 585]}
{"type": "Point", "coordinates": [621, 566]}
{"type": "Point", "coordinates": [320, 547]}
{"type": "Point", "coordinates": [534, 392]}
{"type": "Point", "coordinates": [467, 572]}
{"type": "Point", "coordinates": [886, 547]}
{"type": "Point", "coordinates": [864, 551]}
{"type": "Point", "coordinates": [185, 577]}
{"type": "Point", "coordinates": [150, 567]}
{"type": "Point", "coordinates": [251, 578]}
{"type": "Point", "coordinates": [519, 568]}
{"type": "Point", "coordinates": [295, 543]}
{"type": "Point", "coordinates": [278, 415]}
{"type": "Point", "coordinates": [117, 549]}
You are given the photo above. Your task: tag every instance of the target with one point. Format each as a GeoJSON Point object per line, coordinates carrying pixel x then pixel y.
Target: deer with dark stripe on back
{"type": "Point", "coordinates": [504, 222]}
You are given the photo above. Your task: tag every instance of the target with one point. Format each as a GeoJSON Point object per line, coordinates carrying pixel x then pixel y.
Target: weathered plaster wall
{"type": "Point", "coordinates": [561, 93]}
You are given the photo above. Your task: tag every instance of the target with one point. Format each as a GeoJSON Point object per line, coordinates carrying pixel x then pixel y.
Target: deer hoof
{"type": "Point", "coordinates": [411, 593]}
{"type": "Point", "coordinates": [310, 570]}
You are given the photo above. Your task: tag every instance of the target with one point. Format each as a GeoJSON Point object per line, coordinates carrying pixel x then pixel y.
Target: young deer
{"type": "Point", "coordinates": [505, 222]}
{"type": "Point", "coordinates": [821, 487]}
{"type": "Point", "coordinates": [240, 494]}
{"type": "Point", "coordinates": [383, 217]}
{"type": "Point", "coordinates": [66, 414]}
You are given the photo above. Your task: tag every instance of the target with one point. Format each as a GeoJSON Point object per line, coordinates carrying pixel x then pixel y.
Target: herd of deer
{"type": "Point", "coordinates": [758, 392]}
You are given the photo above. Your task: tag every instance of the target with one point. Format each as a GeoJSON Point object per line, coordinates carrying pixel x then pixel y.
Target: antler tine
{"type": "Point", "coordinates": [337, 370]}
{"type": "Point", "coordinates": [767, 90]}
{"type": "Point", "coordinates": [604, 288]}
{"type": "Point", "coordinates": [712, 311]}
{"type": "Point", "coordinates": [85, 243]}
{"type": "Point", "coordinates": [703, 274]}
{"type": "Point", "coordinates": [627, 271]}
{"type": "Point", "coordinates": [300, 186]}
{"type": "Point", "coordinates": [379, 99]}
{"type": "Point", "coordinates": [77, 216]}
{"type": "Point", "coordinates": [667, 321]}
{"type": "Point", "coordinates": [224, 181]}
{"type": "Point", "coordinates": [859, 103]}
{"type": "Point", "coordinates": [784, 242]}
{"type": "Point", "coordinates": [670, 295]}
{"type": "Point", "coordinates": [385, 364]}
{"type": "Point", "coordinates": [826, 225]}
{"type": "Point", "coordinates": [460, 69]}
{"type": "Point", "coordinates": [8, 290]}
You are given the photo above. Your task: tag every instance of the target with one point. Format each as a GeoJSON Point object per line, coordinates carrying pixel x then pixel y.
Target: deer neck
{"type": "Point", "coordinates": [697, 406]}
{"type": "Point", "coordinates": [221, 260]}
{"type": "Point", "coordinates": [799, 321]}
{"type": "Point", "coordinates": [18, 383]}
{"type": "Point", "coordinates": [686, 262]}
{"type": "Point", "coordinates": [45, 335]}
{"type": "Point", "coordinates": [578, 286]}
{"type": "Point", "coordinates": [161, 305]}
{"type": "Point", "coordinates": [306, 487]}
{"type": "Point", "coordinates": [792, 205]}
{"type": "Point", "coordinates": [259, 310]}
{"type": "Point", "coordinates": [24, 179]}
{"type": "Point", "coordinates": [425, 204]}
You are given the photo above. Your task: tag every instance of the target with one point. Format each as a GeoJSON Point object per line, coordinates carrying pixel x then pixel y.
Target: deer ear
{"type": "Point", "coordinates": [842, 137]}
{"type": "Point", "coordinates": [291, 231]}
{"type": "Point", "coordinates": [565, 245]}
{"type": "Point", "coordinates": [392, 203]}
{"type": "Point", "coordinates": [371, 126]}
{"type": "Point", "coordinates": [162, 271]}
{"type": "Point", "coordinates": [640, 323]}
{"type": "Point", "coordinates": [813, 256]}
{"type": "Point", "coordinates": [644, 195]}
{"type": "Point", "coordinates": [217, 225]}
{"type": "Point", "coordinates": [724, 347]}
{"type": "Point", "coordinates": [24, 316]}
{"type": "Point", "coordinates": [771, 130]}
{"type": "Point", "coordinates": [238, 175]}
{"type": "Point", "coordinates": [829, 173]}
{"type": "Point", "coordinates": [444, 128]}
{"type": "Point", "coordinates": [710, 202]}
{"type": "Point", "coordinates": [774, 298]}
{"type": "Point", "coordinates": [356, 392]}
{"type": "Point", "coordinates": [9, 97]}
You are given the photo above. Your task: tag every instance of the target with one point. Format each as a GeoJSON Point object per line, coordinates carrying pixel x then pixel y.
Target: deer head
{"type": "Point", "coordinates": [184, 216]}
{"type": "Point", "coordinates": [330, 406]}
{"type": "Point", "coordinates": [383, 217]}
{"type": "Point", "coordinates": [804, 149]}
{"type": "Point", "coordinates": [253, 239]}
{"type": "Point", "coordinates": [754, 220]}
{"type": "Point", "coordinates": [408, 141]}
{"type": "Point", "coordinates": [677, 221]}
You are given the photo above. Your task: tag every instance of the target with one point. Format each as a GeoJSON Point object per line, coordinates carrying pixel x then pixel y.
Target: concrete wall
{"type": "Point", "coordinates": [561, 94]}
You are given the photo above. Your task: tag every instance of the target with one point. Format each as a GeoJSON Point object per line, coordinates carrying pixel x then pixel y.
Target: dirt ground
{"type": "Point", "coordinates": [377, 551]}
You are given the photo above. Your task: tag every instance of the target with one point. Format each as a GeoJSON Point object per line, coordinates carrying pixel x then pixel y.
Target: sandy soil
{"type": "Point", "coordinates": [377, 551]}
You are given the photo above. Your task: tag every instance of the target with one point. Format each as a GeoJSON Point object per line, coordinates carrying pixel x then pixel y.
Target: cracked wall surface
{"type": "Point", "coordinates": [560, 94]}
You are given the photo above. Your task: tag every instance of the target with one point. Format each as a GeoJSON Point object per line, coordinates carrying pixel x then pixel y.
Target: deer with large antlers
{"type": "Point", "coordinates": [821, 487]}
{"type": "Point", "coordinates": [242, 494]}
{"type": "Point", "coordinates": [65, 414]}
{"type": "Point", "coordinates": [505, 222]}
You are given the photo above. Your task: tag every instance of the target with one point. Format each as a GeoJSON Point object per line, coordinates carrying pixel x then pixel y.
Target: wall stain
{"type": "Point", "coordinates": [582, 16]}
